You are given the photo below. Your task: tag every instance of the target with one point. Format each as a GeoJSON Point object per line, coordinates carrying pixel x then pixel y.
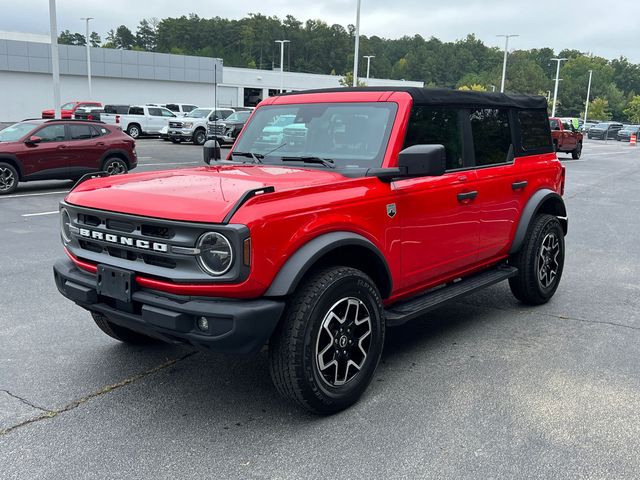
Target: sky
{"type": "Point", "coordinates": [606, 28]}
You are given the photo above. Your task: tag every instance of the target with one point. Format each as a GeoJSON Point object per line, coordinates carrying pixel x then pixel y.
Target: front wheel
{"type": "Point", "coordinates": [199, 137]}
{"type": "Point", "coordinates": [540, 261]}
{"type": "Point", "coordinates": [326, 349]}
{"type": "Point", "coordinates": [8, 178]}
{"type": "Point", "coordinates": [576, 152]}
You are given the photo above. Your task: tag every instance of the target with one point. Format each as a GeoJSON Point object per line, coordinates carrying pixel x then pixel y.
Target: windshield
{"type": "Point", "coordinates": [351, 135]}
{"type": "Point", "coordinates": [15, 132]}
{"type": "Point", "coordinates": [198, 113]}
{"type": "Point", "coordinates": [67, 106]}
{"type": "Point", "coordinates": [603, 126]}
{"type": "Point", "coordinates": [238, 117]}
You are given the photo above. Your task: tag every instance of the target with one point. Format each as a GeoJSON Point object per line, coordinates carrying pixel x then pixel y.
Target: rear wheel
{"type": "Point", "coordinates": [575, 153]}
{"type": "Point", "coordinates": [133, 130]}
{"type": "Point", "coordinates": [115, 166]}
{"type": "Point", "coordinates": [8, 178]}
{"type": "Point", "coordinates": [540, 261]}
{"type": "Point", "coordinates": [326, 349]}
{"type": "Point", "coordinates": [120, 333]}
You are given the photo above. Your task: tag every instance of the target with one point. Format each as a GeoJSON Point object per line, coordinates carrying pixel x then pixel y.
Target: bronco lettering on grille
{"type": "Point", "coordinates": [127, 241]}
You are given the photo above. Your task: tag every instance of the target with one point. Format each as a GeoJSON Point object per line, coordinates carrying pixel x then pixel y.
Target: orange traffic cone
{"type": "Point", "coordinates": [633, 140]}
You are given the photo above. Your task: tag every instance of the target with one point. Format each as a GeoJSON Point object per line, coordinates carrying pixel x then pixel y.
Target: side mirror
{"type": "Point", "coordinates": [423, 161]}
{"type": "Point", "coordinates": [211, 151]}
{"type": "Point", "coordinates": [32, 140]}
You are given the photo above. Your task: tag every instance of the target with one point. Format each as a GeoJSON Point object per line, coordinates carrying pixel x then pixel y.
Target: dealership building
{"type": "Point", "coordinates": [132, 77]}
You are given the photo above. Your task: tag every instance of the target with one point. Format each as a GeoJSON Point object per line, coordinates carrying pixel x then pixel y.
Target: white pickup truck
{"type": "Point", "coordinates": [141, 120]}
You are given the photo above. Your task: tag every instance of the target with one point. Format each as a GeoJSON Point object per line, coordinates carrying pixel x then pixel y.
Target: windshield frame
{"type": "Point", "coordinates": [345, 160]}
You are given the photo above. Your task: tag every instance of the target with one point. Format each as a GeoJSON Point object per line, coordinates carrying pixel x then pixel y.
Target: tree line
{"type": "Point", "coordinates": [317, 47]}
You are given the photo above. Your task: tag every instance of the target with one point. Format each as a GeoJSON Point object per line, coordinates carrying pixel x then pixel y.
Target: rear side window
{"type": "Point", "coordinates": [491, 136]}
{"type": "Point", "coordinates": [438, 126]}
{"type": "Point", "coordinates": [173, 107]}
{"type": "Point", "coordinates": [188, 108]}
{"type": "Point", "coordinates": [534, 129]}
{"type": "Point", "coordinates": [98, 131]}
{"type": "Point", "coordinates": [80, 132]}
{"type": "Point", "coordinates": [51, 133]}
{"type": "Point", "coordinates": [136, 111]}
{"type": "Point", "coordinates": [119, 109]}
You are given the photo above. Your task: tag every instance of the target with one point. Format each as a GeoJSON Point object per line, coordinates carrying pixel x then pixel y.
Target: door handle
{"type": "Point", "coordinates": [100, 144]}
{"type": "Point", "coordinates": [62, 146]}
{"type": "Point", "coordinates": [466, 196]}
{"type": "Point", "coordinates": [519, 185]}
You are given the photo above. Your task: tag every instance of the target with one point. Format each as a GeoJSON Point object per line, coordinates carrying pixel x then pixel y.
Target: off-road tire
{"type": "Point", "coordinates": [9, 178]}
{"type": "Point", "coordinates": [134, 130]}
{"type": "Point", "coordinates": [575, 153]}
{"type": "Point", "coordinates": [294, 346]}
{"type": "Point", "coordinates": [527, 286]}
{"type": "Point", "coordinates": [115, 166]}
{"type": "Point", "coordinates": [120, 333]}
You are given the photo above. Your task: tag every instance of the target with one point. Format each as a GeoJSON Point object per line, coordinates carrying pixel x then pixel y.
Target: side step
{"type": "Point", "coordinates": [402, 312]}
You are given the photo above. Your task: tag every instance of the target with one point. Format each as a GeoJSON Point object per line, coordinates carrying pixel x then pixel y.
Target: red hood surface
{"type": "Point", "coordinates": [203, 194]}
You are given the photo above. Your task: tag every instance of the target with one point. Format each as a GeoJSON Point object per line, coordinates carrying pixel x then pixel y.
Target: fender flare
{"type": "Point", "coordinates": [288, 278]}
{"type": "Point", "coordinates": [535, 203]}
{"type": "Point", "coordinates": [13, 160]}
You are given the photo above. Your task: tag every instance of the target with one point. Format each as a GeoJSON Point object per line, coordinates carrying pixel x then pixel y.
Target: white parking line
{"type": "Point", "coordinates": [34, 194]}
{"type": "Point", "coordinates": [143, 158]}
{"type": "Point", "coordinates": [39, 214]}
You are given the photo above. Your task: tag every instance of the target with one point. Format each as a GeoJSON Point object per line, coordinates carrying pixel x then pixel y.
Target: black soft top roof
{"type": "Point", "coordinates": [443, 96]}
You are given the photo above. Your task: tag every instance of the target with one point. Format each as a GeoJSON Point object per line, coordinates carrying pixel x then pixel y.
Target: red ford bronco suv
{"type": "Point", "coordinates": [391, 202]}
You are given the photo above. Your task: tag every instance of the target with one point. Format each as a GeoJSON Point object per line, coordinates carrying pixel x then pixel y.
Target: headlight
{"type": "Point", "coordinates": [216, 254]}
{"type": "Point", "coordinates": [230, 130]}
{"type": "Point", "coordinates": [187, 125]}
{"type": "Point", "coordinates": [65, 225]}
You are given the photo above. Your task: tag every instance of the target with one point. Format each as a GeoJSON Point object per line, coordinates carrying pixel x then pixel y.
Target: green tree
{"type": "Point", "coordinates": [95, 39]}
{"type": "Point", "coordinates": [123, 38]}
{"type": "Point", "coordinates": [347, 81]}
{"type": "Point", "coordinates": [633, 110]}
{"type": "Point", "coordinates": [68, 38]}
{"type": "Point", "coordinates": [599, 109]}
{"type": "Point", "coordinates": [146, 35]}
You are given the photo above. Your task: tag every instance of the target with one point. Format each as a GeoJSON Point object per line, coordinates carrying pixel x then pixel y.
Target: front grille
{"type": "Point", "coordinates": [175, 124]}
{"type": "Point", "coordinates": [216, 129]}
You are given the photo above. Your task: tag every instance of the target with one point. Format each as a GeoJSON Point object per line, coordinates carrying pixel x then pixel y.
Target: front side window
{"type": "Point", "coordinates": [438, 126]}
{"type": "Point", "coordinates": [67, 106]}
{"type": "Point", "coordinates": [173, 107]}
{"type": "Point", "coordinates": [554, 124]}
{"type": "Point", "coordinates": [348, 135]}
{"type": "Point", "coordinates": [79, 132]}
{"type": "Point", "coordinates": [155, 112]}
{"type": "Point", "coordinates": [51, 133]}
{"type": "Point", "coordinates": [166, 113]}
{"type": "Point", "coordinates": [491, 136]}
{"type": "Point", "coordinates": [188, 108]}
{"type": "Point", "coordinates": [534, 129]}
{"type": "Point", "coordinates": [239, 117]}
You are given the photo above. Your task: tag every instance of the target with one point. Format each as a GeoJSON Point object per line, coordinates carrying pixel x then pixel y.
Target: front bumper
{"type": "Point", "coordinates": [221, 138]}
{"type": "Point", "coordinates": [235, 326]}
{"type": "Point", "coordinates": [181, 134]}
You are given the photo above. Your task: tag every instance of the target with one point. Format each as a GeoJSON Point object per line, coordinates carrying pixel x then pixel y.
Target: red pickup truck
{"type": "Point", "coordinates": [566, 138]}
{"type": "Point", "coordinates": [68, 109]}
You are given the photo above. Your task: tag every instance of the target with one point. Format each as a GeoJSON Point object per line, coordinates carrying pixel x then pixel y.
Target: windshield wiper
{"type": "Point", "coordinates": [327, 162]}
{"type": "Point", "coordinates": [257, 157]}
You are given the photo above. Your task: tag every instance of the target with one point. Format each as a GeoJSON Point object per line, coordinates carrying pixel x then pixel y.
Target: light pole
{"type": "Point", "coordinates": [586, 105]}
{"type": "Point", "coordinates": [555, 90]}
{"type": "Point", "coordinates": [86, 19]}
{"type": "Point", "coordinates": [282, 42]}
{"type": "Point", "coordinates": [504, 62]}
{"type": "Point", "coordinates": [357, 47]}
{"type": "Point", "coordinates": [55, 63]}
{"type": "Point", "coordinates": [369, 57]}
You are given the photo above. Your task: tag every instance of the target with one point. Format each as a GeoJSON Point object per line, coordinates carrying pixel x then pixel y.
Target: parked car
{"type": "Point", "coordinates": [624, 134]}
{"type": "Point", "coordinates": [193, 126]}
{"type": "Point", "coordinates": [61, 149]}
{"type": "Point", "coordinates": [68, 109]}
{"type": "Point", "coordinates": [180, 109]}
{"type": "Point", "coordinates": [140, 120]}
{"type": "Point", "coordinates": [226, 131]}
{"type": "Point", "coordinates": [587, 125]}
{"type": "Point", "coordinates": [566, 137]}
{"type": "Point", "coordinates": [399, 200]}
{"type": "Point", "coordinates": [273, 133]}
{"type": "Point", "coordinates": [605, 130]}
{"type": "Point", "coordinates": [88, 113]}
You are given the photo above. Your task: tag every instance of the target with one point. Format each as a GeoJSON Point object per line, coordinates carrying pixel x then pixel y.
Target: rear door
{"type": "Point", "coordinates": [85, 149]}
{"type": "Point", "coordinates": [440, 226]}
{"type": "Point", "coordinates": [569, 138]}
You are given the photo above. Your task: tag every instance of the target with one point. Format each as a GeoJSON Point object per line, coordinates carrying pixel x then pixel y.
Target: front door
{"type": "Point", "coordinates": [49, 158]}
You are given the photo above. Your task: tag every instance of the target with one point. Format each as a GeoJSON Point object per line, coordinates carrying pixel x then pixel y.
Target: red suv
{"type": "Point", "coordinates": [391, 202]}
{"type": "Point", "coordinates": [68, 109]}
{"type": "Point", "coordinates": [61, 149]}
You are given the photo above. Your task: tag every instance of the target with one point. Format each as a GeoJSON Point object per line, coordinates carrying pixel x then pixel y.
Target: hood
{"type": "Point", "coordinates": [203, 194]}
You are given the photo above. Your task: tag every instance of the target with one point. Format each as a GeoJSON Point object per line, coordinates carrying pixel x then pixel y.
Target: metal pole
{"type": "Point", "coordinates": [357, 47]}
{"type": "Point", "coordinates": [504, 61]}
{"type": "Point", "coordinates": [555, 90]}
{"type": "Point", "coordinates": [369, 57]}
{"type": "Point", "coordinates": [88, 57]}
{"type": "Point", "coordinates": [586, 105]}
{"type": "Point", "coordinates": [282, 42]}
{"type": "Point", "coordinates": [55, 63]}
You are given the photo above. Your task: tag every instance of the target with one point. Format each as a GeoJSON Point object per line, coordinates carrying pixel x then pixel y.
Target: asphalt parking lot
{"type": "Point", "coordinates": [483, 388]}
